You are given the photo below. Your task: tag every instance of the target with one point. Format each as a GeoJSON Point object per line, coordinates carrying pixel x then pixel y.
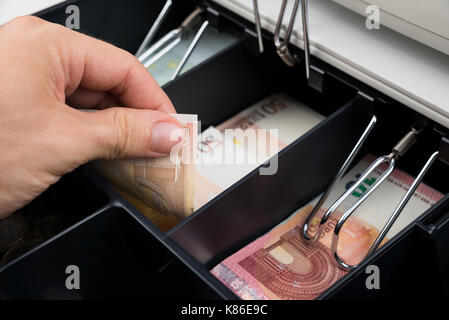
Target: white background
{"type": "Point", "coordinates": [13, 8]}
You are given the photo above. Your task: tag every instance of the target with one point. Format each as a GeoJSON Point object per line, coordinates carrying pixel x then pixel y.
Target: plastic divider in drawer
{"type": "Point", "coordinates": [257, 202]}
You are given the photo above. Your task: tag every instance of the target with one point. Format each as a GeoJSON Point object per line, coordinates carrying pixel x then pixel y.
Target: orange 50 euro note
{"type": "Point", "coordinates": [282, 265]}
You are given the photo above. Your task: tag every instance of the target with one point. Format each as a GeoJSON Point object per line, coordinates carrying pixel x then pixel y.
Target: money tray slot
{"type": "Point", "coordinates": [62, 205]}
{"type": "Point", "coordinates": [248, 209]}
{"type": "Point", "coordinates": [258, 202]}
{"type": "Point", "coordinates": [414, 261]}
{"type": "Point", "coordinates": [117, 257]}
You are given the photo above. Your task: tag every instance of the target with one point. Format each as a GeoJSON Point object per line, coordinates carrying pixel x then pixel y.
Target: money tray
{"type": "Point", "coordinates": [121, 254]}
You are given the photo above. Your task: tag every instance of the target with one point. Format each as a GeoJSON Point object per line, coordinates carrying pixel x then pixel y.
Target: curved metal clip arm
{"type": "Point", "coordinates": [190, 49]}
{"type": "Point", "coordinates": [171, 39]}
{"type": "Point", "coordinates": [305, 34]}
{"type": "Point", "coordinates": [397, 211]}
{"type": "Point", "coordinates": [258, 27]}
{"type": "Point", "coordinates": [282, 46]}
{"type": "Point", "coordinates": [404, 144]}
{"type": "Point", "coordinates": [154, 28]}
{"type": "Point", "coordinates": [341, 172]}
{"type": "Point", "coordinates": [160, 48]}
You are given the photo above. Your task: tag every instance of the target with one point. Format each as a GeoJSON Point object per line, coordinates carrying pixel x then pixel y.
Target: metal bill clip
{"type": "Point", "coordinates": [442, 154]}
{"type": "Point", "coordinates": [282, 46]}
{"type": "Point", "coordinates": [399, 150]}
{"type": "Point", "coordinates": [340, 174]}
{"type": "Point", "coordinates": [258, 28]}
{"type": "Point", "coordinates": [154, 28]}
{"type": "Point", "coordinates": [171, 39]}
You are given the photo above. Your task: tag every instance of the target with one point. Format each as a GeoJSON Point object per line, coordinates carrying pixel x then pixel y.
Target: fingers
{"type": "Point", "coordinates": [97, 66]}
{"type": "Point", "coordinates": [83, 98]}
{"type": "Point", "coordinates": [116, 133]}
{"type": "Point", "coordinates": [69, 60]}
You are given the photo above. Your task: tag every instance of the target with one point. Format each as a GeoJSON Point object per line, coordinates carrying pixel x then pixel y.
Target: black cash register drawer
{"type": "Point", "coordinates": [121, 254]}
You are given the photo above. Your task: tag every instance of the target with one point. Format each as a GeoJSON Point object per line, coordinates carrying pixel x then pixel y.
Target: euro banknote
{"type": "Point", "coordinates": [231, 150]}
{"type": "Point", "coordinates": [282, 265]}
{"type": "Point", "coordinates": [166, 184]}
{"type": "Point", "coordinates": [283, 118]}
{"type": "Point", "coordinates": [223, 157]}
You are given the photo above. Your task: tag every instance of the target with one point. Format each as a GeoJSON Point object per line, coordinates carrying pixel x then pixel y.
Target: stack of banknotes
{"type": "Point", "coordinates": [281, 265]}
{"type": "Point", "coordinates": [164, 184]}
{"type": "Point", "coordinates": [167, 192]}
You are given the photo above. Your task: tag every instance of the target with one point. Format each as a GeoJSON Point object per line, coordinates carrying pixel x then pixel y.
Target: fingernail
{"type": "Point", "coordinates": [164, 136]}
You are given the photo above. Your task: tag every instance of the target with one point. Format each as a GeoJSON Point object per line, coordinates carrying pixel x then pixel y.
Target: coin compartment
{"type": "Point", "coordinates": [247, 209]}
{"type": "Point", "coordinates": [116, 255]}
{"type": "Point", "coordinates": [62, 205]}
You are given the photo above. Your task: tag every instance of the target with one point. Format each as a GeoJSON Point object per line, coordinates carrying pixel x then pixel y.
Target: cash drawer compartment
{"type": "Point", "coordinates": [116, 256]}
{"type": "Point", "coordinates": [118, 242]}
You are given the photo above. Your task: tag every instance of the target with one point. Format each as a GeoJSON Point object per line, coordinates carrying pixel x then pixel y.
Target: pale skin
{"type": "Point", "coordinates": [46, 71]}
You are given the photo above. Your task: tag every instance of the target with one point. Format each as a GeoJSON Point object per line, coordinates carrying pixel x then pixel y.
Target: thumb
{"type": "Point", "coordinates": [131, 133]}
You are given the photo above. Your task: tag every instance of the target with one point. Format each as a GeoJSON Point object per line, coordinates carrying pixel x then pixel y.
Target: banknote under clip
{"type": "Point", "coordinates": [282, 46]}
{"type": "Point", "coordinates": [441, 154]}
{"type": "Point", "coordinates": [399, 150]}
{"type": "Point", "coordinates": [171, 39]}
{"type": "Point", "coordinates": [340, 174]}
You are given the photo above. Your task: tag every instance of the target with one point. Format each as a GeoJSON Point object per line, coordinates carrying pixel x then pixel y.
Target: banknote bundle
{"type": "Point", "coordinates": [282, 265]}
{"type": "Point", "coordinates": [166, 184]}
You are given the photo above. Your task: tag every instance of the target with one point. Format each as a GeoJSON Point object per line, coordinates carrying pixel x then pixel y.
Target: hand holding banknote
{"type": "Point", "coordinates": [273, 122]}
{"type": "Point", "coordinates": [165, 184]}
{"type": "Point", "coordinates": [44, 66]}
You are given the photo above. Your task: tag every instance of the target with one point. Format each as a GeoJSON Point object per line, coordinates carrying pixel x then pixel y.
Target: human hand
{"type": "Point", "coordinates": [43, 67]}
